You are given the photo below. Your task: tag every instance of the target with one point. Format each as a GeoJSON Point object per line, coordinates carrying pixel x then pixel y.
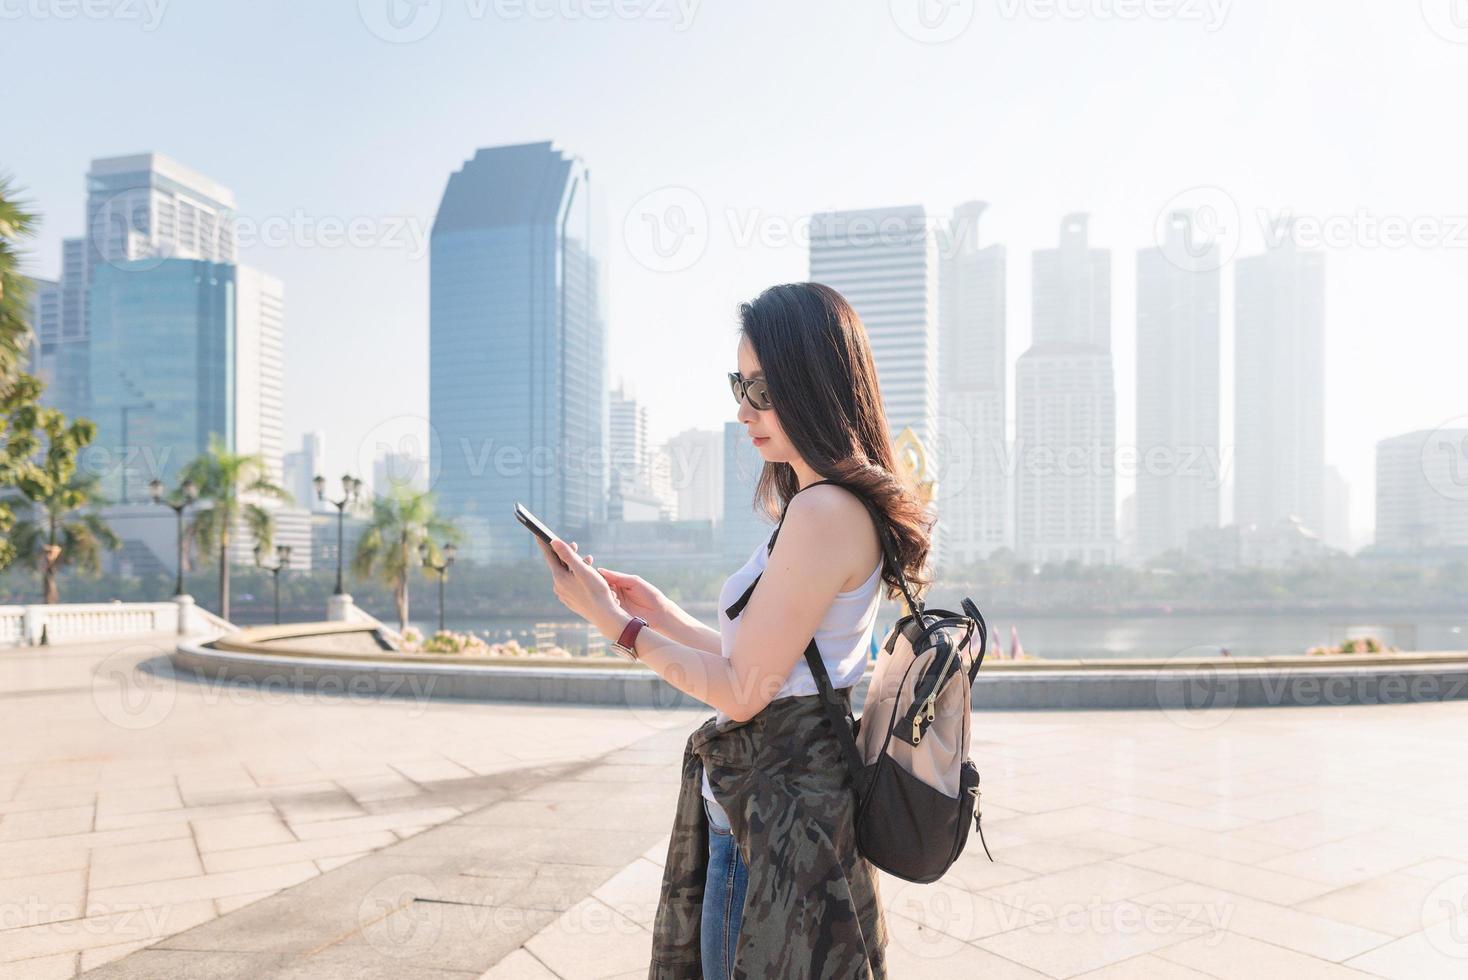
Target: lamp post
{"type": "Point", "coordinates": [351, 490]}
{"type": "Point", "coordinates": [187, 494]}
{"type": "Point", "coordinates": [282, 561]}
{"type": "Point", "coordinates": [449, 551]}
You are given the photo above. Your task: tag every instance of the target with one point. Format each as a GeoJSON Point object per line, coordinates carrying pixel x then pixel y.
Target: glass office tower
{"type": "Point", "coordinates": [517, 349]}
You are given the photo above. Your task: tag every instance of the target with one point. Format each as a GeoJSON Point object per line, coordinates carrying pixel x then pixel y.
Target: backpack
{"type": "Point", "coordinates": [916, 788]}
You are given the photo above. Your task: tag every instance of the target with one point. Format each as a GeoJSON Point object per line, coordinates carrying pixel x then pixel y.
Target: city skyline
{"type": "Point", "coordinates": [1314, 135]}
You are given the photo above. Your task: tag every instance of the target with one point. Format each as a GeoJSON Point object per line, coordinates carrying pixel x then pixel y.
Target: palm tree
{"type": "Point", "coordinates": [388, 549]}
{"type": "Point", "coordinates": [19, 392]}
{"type": "Point", "coordinates": [16, 225]}
{"type": "Point", "coordinates": [224, 479]}
{"type": "Point", "coordinates": [59, 536]}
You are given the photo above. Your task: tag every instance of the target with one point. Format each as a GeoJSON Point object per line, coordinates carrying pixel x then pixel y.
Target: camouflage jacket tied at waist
{"type": "Point", "coordinates": [812, 910]}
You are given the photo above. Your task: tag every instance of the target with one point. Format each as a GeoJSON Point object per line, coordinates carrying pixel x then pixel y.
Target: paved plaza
{"type": "Point", "coordinates": [153, 827]}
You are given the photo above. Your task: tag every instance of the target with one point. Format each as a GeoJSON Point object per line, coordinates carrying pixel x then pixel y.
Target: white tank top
{"type": "Point", "coordinates": [844, 636]}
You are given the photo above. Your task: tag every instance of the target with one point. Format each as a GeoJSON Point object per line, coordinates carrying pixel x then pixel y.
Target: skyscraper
{"type": "Point", "coordinates": [299, 468]}
{"type": "Point", "coordinates": [1065, 408]}
{"type": "Point", "coordinates": [517, 348]}
{"type": "Point", "coordinates": [1178, 461]}
{"type": "Point", "coordinates": [182, 350]}
{"type": "Point", "coordinates": [696, 458]}
{"type": "Point", "coordinates": [45, 319]}
{"type": "Point", "coordinates": [1279, 385]}
{"type": "Point", "coordinates": [147, 206]}
{"type": "Point", "coordinates": [1422, 492]}
{"type": "Point", "coordinates": [141, 209]}
{"type": "Point", "coordinates": [743, 527]}
{"type": "Point", "coordinates": [884, 262]}
{"type": "Point", "coordinates": [973, 494]}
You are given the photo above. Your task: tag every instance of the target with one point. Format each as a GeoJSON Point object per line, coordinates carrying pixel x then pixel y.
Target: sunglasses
{"type": "Point", "coordinates": [754, 389]}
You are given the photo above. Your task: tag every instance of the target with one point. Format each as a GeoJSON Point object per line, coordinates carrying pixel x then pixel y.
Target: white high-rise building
{"type": "Point", "coordinates": [973, 494]}
{"type": "Point", "coordinates": [260, 366]}
{"type": "Point", "coordinates": [1178, 443]}
{"type": "Point", "coordinates": [147, 206]}
{"type": "Point", "coordinates": [1279, 385]}
{"type": "Point", "coordinates": [696, 459]}
{"type": "Point", "coordinates": [1422, 491]}
{"type": "Point", "coordinates": [302, 466]}
{"type": "Point", "coordinates": [885, 262]}
{"type": "Point", "coordinates": [1065, 408]}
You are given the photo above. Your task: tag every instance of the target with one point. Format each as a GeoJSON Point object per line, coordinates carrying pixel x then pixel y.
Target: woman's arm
{"type": "Point", "coordinates": [679, 626]}
{"type": "Point", "coordinates": [805, 571]}
{"type": "Point", "coordinates": [639, 597]}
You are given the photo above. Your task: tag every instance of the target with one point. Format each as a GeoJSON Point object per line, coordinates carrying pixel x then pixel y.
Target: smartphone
{"type": "Point", "coordinates": [537, 528]}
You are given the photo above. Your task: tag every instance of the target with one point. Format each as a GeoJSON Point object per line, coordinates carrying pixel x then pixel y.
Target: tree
{"type": "Point", "coordinates": [16, 224]}
{"type": "Point", "coordinates": [60, 535]}
{"type": "Point", "coordinates": [225, 481]}
{"type": "Point", "coordinates": [18, 392]}
{"type": "Point", "coordinates": [388, 548]}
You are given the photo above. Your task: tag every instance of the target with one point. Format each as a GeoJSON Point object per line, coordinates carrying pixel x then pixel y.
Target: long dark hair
{"type": "Point", "coordinates": [818, 366]}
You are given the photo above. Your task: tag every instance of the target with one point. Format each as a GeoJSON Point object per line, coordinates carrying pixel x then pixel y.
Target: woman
{"type": "Point", "coordinates": [780, 888]}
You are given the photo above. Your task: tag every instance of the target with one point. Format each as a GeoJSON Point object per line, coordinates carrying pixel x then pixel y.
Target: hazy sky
{"type": "Point", "coordinates": [750, 116]}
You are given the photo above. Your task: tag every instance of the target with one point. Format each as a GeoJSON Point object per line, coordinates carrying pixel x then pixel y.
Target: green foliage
{"type": "Point", "coordinates": [226, 481]}
{"type": "Point", "coordinates": [17, 224]}
{"type": "Point", "coordinates": [54, 533]}
{"type": "Point", "coordinates": [401, 521]}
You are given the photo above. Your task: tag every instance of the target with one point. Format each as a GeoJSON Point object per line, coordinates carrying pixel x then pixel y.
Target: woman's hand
{"type": "Point", "coordinates": [637, 596]}
{"type": "Point", "coordinates": [581, 589]}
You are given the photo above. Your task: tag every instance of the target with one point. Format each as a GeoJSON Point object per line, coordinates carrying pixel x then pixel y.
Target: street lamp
{"type": "Point", "coordinates": [187, 494]}
{"type": "Point", "coordinates": [282, 560]}
{"type": "Point", "coordinates": [351, 490]}
{"type": "Point", "coordinates": [449, 551]}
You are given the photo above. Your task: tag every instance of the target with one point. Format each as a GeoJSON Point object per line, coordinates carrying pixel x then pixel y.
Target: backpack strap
{"type": "Point", "coordinates": [838, 712]}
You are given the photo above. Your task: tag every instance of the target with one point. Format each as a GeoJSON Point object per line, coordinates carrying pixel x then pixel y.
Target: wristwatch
{"type": "Point", "coordinates": [625, 643]}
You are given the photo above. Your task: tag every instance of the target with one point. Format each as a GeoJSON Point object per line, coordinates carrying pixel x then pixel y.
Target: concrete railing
{"type": "Point", "coordinates": [80, 622]}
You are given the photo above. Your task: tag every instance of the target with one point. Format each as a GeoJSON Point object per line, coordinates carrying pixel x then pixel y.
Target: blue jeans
{"type": "Point", "coordinates": [723, 901]}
